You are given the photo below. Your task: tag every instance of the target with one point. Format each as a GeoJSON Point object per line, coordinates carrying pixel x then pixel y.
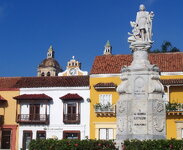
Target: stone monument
{"type": "Point", "coordinates": [140, 109]}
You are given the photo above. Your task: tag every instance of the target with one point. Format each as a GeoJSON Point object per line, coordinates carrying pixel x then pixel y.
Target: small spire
{"type": "Point", "coordinates": [108, 48]}
{"type": "Point", "coordinates": [73, 57]}
{"type": "Point", "coordinates": [50, 48]}
{"type": "Point", "coordinates": [108, 44]}
{"type": "Point", "coordinates": [50, 53]}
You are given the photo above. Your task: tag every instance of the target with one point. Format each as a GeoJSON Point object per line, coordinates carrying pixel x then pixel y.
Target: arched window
{"type": "Point", "coordinates": [48, 73]}
{"type": "Point", "coordinates": [42, 74]}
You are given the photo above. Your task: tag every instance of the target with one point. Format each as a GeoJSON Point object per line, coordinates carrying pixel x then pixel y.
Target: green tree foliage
{"type": "Point", "coordinates": [166, 47]}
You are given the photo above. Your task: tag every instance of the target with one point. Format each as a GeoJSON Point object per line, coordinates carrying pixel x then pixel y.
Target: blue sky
{"type": "Point", "coordinates": [77, 27]}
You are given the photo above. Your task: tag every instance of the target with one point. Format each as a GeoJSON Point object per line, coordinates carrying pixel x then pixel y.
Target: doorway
{"type": "Point", "coordinates": [6, 139]}
{"type": "Point", "coordinates": [27, 137]}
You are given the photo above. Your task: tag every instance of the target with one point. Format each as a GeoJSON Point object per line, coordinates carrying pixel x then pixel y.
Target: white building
{"type": "Point", "coordinates": [53, 107]}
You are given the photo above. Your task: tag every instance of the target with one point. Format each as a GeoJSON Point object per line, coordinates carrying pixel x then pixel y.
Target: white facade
{"type": "Point", "coordinates": [56, 126]}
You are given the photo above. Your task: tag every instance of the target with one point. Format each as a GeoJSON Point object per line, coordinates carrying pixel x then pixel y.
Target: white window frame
{"type": "Point", "coordinates": [106, 134]}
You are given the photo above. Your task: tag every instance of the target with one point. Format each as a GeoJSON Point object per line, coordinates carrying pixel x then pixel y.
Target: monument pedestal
{"type": "Point", "coordinates": [140, 108]}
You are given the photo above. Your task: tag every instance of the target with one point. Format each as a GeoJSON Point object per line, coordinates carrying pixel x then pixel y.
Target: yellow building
{"type": "Point", "coordinates": [105, 77]}
{"type": "Point", "coordinates": [174, 94]}
{"type": "Point", "coordinates": [8, 125]}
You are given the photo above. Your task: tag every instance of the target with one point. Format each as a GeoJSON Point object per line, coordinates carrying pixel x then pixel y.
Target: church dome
{"type": "Point", "coordinates": [49, 66]}
{"type": "Point", "coordinates": [50, 62]}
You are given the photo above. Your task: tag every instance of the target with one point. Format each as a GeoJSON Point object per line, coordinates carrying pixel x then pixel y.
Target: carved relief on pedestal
{"type": "Point", "coordinates": [125, 69]}
{"type": "Point", "coordinates": [123, 87]}
{"type": "Point", "coordinates": [156, 85]}
{"type": "Point", "coordinates": [120, 125]}
{"type": "Point", "coordinates": [150, 124]}
{"type": "Point", "coordinates": [155, 68]}
{"type": "Point", "coordinates": [121, 108]}
{"type": "Point", "coordinates": [139, 85]}
{"type": "Point", "coordinates": [158, 107]}
{"type": "Point", "coordinates": [129, 125]}
{"type": "Point", "coordinates": [159, 123]}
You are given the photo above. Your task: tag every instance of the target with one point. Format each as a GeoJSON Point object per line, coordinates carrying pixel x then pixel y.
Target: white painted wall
{"type": "Point", "coordinates": [56, 126]}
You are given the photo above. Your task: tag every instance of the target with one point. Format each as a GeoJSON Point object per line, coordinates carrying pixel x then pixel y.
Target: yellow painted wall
{"type": "Point", "coordinates": [176, 96]}
{"type": "Point", "coordinates": [171, 126]}
{"type": "Point", "coordinates": [94, 95]}
{"type": "Point", "coordinates": [172, 77]}
{"type": "Point", "coordinates": [9, 111]}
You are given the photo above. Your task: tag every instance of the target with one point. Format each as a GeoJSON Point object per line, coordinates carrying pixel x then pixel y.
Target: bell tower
{"type": "Point", "coordinates": [51, 52]}
{"type": "Point", "coordinates": [108, 48]}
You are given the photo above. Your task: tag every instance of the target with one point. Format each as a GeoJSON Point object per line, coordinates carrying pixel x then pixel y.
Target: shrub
{"type": "Point", "coordinates": [153, 145]}
{"type": "Point", "coordinates": [54, 144]}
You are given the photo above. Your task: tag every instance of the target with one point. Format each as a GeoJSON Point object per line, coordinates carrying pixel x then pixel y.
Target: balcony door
{"type": "Point", "coordinates": [35, 112]}
{"type": "Point", "coordinates": [71, 111]}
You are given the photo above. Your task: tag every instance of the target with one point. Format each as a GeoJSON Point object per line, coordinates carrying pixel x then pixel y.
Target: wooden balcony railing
{"type": "Point", "coordinates": [71, 118]}
{"type": "Point", "coordinates": [33, 118]}
{"type": "Point", "coordinates": [1, 119]}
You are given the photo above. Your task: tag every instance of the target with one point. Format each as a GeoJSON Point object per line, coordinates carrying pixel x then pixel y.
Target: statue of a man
{"type": "Point", "coordinates": [144, 23]}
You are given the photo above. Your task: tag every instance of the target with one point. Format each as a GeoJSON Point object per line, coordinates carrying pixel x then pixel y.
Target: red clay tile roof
{"type": "Point", "coordinates": [33, 97]}
{"type": "Point", "coordinates": [33, 82]}
{"type": "Point", "coordinates": [171, 81]}
{"type": "Point", "coordinates": [110, 64]}
{"type": "Point", "coordinates": [70, 96]}
{"type": "Point", "coordinates": [105, 85]}
{"type": "Point", "coordinates": [8, 82]}
{"type": "Point", "coordinates": [2, 99]}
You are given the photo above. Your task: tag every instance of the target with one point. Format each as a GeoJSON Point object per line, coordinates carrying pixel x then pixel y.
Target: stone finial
{"type": "Point", "coordinates": [108, 48]}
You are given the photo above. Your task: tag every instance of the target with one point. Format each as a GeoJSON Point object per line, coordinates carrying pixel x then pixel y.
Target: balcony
{"type": "Point", "coordinates": [33, 119]}
{"type": "Point", "coordinates": [103, 110]}
{"type": "Point", "coordinates": [71, 118]}
{"type": "Point", "coordinates": [1, 119]}
{"type": "Point", "coordinates": [174, 108]}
